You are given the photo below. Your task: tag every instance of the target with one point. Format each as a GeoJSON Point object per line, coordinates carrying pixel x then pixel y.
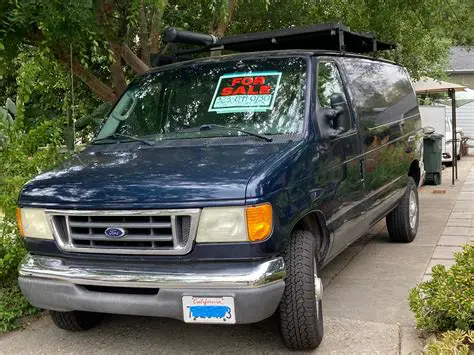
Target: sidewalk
{"type": "Point", "coordinates": [365, 297]}
{"type": "Point", "coordinates": [459, 229]}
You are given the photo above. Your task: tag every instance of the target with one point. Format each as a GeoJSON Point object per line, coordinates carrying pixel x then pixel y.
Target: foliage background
{"type": "Point", "coordinates": [24, 152]}
{"type": "Point", "coordinates": [105, 43]}
{"type": "Point", "coordinates": [447, 301]}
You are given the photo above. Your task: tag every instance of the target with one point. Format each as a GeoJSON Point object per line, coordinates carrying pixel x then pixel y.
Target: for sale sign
{"type": "Point", "coordinates": [244, 92]}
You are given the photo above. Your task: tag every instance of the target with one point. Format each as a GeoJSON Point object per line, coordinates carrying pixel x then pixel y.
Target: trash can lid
{"type": "Point", "coordinates": [433, 136]}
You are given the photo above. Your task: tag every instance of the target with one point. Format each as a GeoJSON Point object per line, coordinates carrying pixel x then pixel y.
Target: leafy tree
{"type": "Point", "coordinates": [103, 41]}
{"type": "Point", "coordinates": [424, 29]}
{"type": "Point", "coordinates": [107, 42]}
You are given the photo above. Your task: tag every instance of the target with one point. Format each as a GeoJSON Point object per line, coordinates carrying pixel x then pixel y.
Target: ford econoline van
{"type": "Point", "coordinates": [217, 188]}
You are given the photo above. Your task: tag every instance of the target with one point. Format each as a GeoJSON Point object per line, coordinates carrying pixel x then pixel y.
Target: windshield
{"type": "Point", "coordinates": [263, 96]}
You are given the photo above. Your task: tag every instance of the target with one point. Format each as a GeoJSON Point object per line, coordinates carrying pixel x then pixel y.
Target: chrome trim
{"type": "Point", "coordinates": [199, 275]}
{"type": "Point", "coordinates": [318, 288]}
{"type": "Point", "coordinates": [194, 213]}
{"type": "Point", "coordinates": [412, 209]}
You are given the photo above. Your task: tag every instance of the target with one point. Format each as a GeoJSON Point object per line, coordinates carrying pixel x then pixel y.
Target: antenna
{"type": "Point", "coordinates": [72, 122]}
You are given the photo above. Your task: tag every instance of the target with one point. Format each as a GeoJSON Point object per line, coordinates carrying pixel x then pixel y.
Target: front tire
{"type": "Point", "coordinates": [301, 313]}
{"type": "Point", "coordinates": [75, 320]}
{"type": "Point", "coordinates": [402, 222]}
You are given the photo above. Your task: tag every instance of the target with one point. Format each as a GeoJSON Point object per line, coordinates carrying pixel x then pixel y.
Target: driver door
{"type": "Point", "coordinates": [340, 167]}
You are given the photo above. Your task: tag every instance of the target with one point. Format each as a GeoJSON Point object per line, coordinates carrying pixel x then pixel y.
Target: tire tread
{"type": "Point", "coordinates": [297, 309]}
{"type": "Point", "coordinates": [398, 224]}
{"type": "Point", "coordinates": [75, 320]}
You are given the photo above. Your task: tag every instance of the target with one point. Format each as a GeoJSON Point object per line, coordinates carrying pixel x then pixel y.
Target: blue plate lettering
{"type": "Point", "coordinates": [209, 312]}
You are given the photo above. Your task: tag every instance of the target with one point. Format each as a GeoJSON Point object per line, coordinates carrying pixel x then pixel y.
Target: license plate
{"type": "Point", "coordinates": [208, 310]}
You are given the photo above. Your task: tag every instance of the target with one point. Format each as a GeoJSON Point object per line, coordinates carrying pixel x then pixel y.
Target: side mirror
{"type": "Point", "coordinates": [337, 99]}
{"type": "Point", "coordinates": [342, 120]}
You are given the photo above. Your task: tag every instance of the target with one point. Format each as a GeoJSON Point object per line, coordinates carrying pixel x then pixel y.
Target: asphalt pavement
{"type": "Point", "coordinates": [365, 301]}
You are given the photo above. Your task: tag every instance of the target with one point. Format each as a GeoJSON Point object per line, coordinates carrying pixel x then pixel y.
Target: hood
{"type": "Point", "coordinates": [152, 177]}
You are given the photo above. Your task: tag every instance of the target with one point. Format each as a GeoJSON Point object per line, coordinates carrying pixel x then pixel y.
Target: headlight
{"type": "Point", "coordinates": [33, 223]}
{"type": "Point", "coordinates": [235, 224]}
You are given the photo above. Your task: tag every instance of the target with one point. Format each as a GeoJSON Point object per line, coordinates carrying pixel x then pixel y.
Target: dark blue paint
{"type": "Point", "coordinates": [200, 252]}
{"type": "Point", "coordinates": [151, 178]}
{"type": "Point", "coordinates": [298, 175]}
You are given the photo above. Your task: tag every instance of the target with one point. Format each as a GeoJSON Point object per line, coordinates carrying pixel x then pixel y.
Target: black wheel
{"type": "Point", "coordinates": [436, 179]}
{"type": "Point", "coordinates": [402, 222]}
{"type": "Point", "coordinates": [75, 321]}
{"type": "Point", "coordinates": [458, 157]}
{"type": "Point", "coordinates": [301, 311]}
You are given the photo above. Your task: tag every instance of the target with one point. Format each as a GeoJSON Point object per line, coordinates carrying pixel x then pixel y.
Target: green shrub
{"type": "Point", "coordinates": [12, 251]}
{"type": "Point", "coordinates": [452, 342]}
{"type": "Point", "coordinates": [23, 154]}
{"type": "Point", "coordinates": [447, 301]}
{"type": "Point", "coordinates": [13, 306]}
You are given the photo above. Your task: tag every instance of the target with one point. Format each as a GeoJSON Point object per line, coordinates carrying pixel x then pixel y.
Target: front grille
{"type": "Point", "coordinates": [145, 232]}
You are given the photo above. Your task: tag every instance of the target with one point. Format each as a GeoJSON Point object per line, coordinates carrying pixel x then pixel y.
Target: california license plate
{"type": "Point", "coordinates": [208, 310]}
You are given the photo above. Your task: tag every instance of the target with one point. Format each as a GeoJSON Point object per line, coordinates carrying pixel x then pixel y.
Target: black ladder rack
{"type": "Point", "coordinates": [331, 37]}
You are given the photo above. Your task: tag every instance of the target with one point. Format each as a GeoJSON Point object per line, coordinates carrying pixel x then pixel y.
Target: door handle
{"type": "Point", "coordinates": [361, 169]}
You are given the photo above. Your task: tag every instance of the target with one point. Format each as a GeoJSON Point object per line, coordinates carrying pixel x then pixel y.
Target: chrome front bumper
{"type": "Point", "coordinates": [60, 285]}
{"type": "Point", "coordinates": [196, 275]}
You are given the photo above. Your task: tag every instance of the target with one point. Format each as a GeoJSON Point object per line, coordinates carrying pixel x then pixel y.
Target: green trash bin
{"type": "Point", "coordinates": [432, 151]}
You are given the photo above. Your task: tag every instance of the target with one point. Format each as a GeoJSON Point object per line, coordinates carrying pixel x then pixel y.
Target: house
{"type": "Point", "coordinates": [461, 66]}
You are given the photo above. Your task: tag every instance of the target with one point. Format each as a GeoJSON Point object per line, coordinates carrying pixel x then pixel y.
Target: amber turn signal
{"type": "Point", "coordinates": [259, 222]}
{"type": "Point", "coordinates": [20, 225]}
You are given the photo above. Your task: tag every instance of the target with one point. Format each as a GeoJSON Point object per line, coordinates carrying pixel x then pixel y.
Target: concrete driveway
{"type": "Point", "coordinates": [365, 304]}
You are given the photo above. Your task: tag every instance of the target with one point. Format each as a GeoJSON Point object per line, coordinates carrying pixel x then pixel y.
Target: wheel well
{"type": "Point", "coordinates": [414, 171]}
{"type": "Point", "coordinates": [314, 222]}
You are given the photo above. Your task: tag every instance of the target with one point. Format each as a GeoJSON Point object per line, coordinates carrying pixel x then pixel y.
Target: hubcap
{"type": "Point", "coordinates": [412, 209]}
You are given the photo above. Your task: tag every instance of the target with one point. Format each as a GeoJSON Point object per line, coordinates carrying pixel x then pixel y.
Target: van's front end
{"type": "Point", "coordinates": [179, 208]}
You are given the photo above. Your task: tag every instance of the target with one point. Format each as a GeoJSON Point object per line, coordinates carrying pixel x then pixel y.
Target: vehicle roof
{"type": "Point", "coordinates": [266, 54]}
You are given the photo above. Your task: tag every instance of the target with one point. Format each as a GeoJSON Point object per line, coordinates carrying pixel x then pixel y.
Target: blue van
{"type": "Point", "coordinates": [227, 182]}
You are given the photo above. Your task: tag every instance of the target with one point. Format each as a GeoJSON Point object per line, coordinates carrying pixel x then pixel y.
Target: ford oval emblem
{"type": "Point", "coordinates": [113, 232]}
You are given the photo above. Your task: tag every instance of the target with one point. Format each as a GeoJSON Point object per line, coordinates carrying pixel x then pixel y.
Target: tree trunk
{"type": "Point", "coordinates": [221, 26]}
{"type": "Point", "coordinates": [132, 59]}
{"type": "Point", "coordinates": [116, 70]}
{"type": "Point", "coordinates": [104, 91]}
{"type": "Point", "coordinates": [144, 39]}
{"type": "Point", "coordinates": [155, 35]}
{"type": "Point", "coordinates": [97, 86]}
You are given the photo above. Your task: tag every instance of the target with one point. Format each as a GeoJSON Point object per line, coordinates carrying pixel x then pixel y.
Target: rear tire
{"type": "Point", "coordinates": [301, 314]}
{"type": "Point", "coordinates": [402, 222]}
{"type": "Point", "coordinates": [75, 320]}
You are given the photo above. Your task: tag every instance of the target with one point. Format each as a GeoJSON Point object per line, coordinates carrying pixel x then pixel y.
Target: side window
{"type": "Point", "coordinates": [382, 91]}
{"type": "Point", "coordinates": [329, 83]}
{"type": "Point", "coordinates": [384, 100]}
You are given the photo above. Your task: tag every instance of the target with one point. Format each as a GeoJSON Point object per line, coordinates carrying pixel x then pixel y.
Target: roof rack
{"type": "Point", "coordinates": [334, 37]}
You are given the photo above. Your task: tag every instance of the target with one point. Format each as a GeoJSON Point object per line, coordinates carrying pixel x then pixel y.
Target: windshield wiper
{"type": "Point", "coordinates": [119, 135]}
{"type": "Point", "coordinates": [208, 127]}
